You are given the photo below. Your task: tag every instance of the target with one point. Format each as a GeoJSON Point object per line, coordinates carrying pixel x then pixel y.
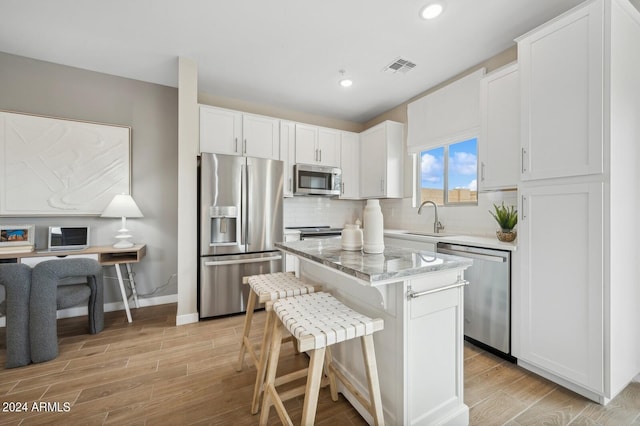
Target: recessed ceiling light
{"type": "Point", "coordinates": [432, 10]}
{"type": "Point", "coordinates": [344, 82]}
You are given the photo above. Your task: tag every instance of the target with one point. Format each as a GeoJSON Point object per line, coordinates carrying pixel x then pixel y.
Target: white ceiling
{"type": "Point", "coordinates": [284, 53]}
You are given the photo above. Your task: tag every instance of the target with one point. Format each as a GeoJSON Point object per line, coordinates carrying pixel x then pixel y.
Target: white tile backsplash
{"type": "Point", "coordinates": [399, 214]}
{"type": "Point", "coordinates": [310, 211]}
{"type": "Point", "coordinates": [468, 220]}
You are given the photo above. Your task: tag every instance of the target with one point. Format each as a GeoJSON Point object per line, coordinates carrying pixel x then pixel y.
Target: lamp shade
{"type": "Point", "coordinates": [122, 205]}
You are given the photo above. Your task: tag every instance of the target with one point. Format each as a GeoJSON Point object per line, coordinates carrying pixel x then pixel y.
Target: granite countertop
{"type": "Point", "coordinates": [394, 264]}
{"type": "Point", "coordinates": [454, 238]}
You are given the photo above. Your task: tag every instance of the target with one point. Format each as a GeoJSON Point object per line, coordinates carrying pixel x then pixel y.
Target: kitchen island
{"type": "Point", "coordinates": [419, 295]}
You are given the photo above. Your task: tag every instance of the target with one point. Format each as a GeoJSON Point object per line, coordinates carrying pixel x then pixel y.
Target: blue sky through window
{"type": "Point", "coordinates": [462, 167]}
{"type": "Point", "coordinates": [432, 167]}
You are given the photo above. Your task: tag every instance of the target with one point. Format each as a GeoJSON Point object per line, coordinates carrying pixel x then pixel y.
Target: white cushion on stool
{"type": "Point", "coordinates": [278, 285]}
{"type": "Point", "coordinates": [319, 319]}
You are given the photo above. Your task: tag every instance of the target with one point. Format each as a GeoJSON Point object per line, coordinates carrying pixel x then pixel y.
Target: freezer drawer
{"type": "Point", "coordinates": [221, 291]}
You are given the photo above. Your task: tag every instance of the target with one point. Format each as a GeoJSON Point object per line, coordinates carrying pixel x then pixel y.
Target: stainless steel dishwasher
{"type": "Point", "coordinates": [487, 298]}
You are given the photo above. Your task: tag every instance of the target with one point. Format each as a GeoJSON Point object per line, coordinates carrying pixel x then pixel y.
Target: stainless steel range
{"type": "Point", "coordinates": [309, 232]}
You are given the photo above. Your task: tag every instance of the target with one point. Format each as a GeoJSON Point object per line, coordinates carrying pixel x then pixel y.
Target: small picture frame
{"type": "Point", "coordinates": [16, 235]}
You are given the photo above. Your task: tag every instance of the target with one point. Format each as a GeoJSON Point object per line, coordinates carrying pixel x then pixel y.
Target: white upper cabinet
{"type": "Point", "coordinates": [329, 147]}
{"type": "Point", "coordinates": [317, 145]}
{"type": "Point", "coordinates": [220, 131]}
{"type": "Point", "coordinates": [224, 131]}
{"type": "Point", "coordinates": [499, 144]}
{"type": "Point", "coordinates": [350, 165]}
{"type": "Point", "coordinates": [261, 136]}
{"type": "Point", "coordinates": [306, 143]}
{"type": "Point", "coordinates": [287, 154]}
{"type": "Point", "coordinates": [561, 72]}
{"type": "Point", "coordinates": [381, 161]}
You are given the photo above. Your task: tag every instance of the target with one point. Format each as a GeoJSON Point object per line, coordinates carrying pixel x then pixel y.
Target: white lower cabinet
{"type": "Point", "coordinates": [561, 301]}
{"type": "Point", "coordinates": [291, 263]}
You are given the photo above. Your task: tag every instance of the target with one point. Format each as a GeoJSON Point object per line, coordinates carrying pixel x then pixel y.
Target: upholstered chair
{"type": "Point", "coordinates": [49, 294]}
{"type": "Point", "coordinates": [16, 279]}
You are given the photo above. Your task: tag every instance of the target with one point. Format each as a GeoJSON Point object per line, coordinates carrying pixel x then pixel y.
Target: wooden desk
{"type": "Point", "coordinates": [106, 256]}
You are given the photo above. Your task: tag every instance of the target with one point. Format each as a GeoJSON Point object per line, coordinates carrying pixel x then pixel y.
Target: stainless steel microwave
{"type": "Point", "coordinates": [316, 180]}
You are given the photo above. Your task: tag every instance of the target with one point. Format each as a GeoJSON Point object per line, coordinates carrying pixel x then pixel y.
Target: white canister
{"type": "Point", "coordinates": [352, 237]}
{"type": "Point", "coordinates": [373, 232]}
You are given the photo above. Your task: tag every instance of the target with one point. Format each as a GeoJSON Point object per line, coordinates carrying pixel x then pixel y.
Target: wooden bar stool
{"type": "Point", "coordinates": [317, 321]}
{"type": "Point", "coordinates": [265, 288]}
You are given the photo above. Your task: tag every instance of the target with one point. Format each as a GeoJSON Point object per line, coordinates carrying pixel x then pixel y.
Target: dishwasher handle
{"type": "Point", "coordinates": [474, 255]}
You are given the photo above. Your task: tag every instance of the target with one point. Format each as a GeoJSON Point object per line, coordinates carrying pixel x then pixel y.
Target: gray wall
{"type": "Point", "coordinates": [151, 110]}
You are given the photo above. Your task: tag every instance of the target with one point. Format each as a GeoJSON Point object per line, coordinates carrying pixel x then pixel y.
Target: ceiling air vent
{"type": "Point", "coordinates": [399, 65]}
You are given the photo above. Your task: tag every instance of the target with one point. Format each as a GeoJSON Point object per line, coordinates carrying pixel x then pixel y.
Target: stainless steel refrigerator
{"type": "Point", "coordinates": [240, 208]}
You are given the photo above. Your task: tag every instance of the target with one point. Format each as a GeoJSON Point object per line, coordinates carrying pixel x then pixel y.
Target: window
{"type": "Point", "coordinates": [454, 167]}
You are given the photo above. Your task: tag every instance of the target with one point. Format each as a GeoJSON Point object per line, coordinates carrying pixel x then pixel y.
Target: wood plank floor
{"type": "Point", "coordinates": [151, 372]}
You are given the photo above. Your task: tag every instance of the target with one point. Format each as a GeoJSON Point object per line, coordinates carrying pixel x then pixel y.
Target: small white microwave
{"type": "Point", "coordinates": [316, 180]}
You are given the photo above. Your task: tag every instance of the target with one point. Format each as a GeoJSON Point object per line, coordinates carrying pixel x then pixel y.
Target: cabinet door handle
{"type": "Point", "coordinates": [482, 171]}
{"type": "Point", "coordinates": [290, 184]}
{"type": "Point", "coordinates": [523, 208]}
{"type": "Point", "coordinates": [320, 155]}
{"type": "Point", "coordinates": [524, 161]}
{"type": "Point", "coordinates": [342, 189]}
{"type": "Point", "coordinates": [244, 148]}
{"type": "Point", "coordinates": [236, 140]}
{"type": "Point", "coordinates": [315, 155]}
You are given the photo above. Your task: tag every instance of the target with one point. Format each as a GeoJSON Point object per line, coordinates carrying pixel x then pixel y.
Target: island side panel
{"type": "Point", "coordinates": [435, 352]}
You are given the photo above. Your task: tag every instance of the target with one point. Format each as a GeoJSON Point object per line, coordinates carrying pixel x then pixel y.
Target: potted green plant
{"type": "Point", "coordinates": [507, 218]}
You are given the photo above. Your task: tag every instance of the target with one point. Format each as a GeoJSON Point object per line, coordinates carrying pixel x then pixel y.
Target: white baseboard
{"type": "Point", "coordinates": [113, 306]}
{"type": "Point", "coordinates": [187, 318]}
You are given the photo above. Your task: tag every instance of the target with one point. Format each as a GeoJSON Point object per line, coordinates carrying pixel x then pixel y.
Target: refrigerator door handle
{"type": "Point", "coordinates": [243, 261]}
{"type": "Point", "coordinates": [246, 194]}
{"type": "Point", "coordinates": [243, 207]}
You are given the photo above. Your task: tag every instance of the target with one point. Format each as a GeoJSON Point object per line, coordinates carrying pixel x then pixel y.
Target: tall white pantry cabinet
{"type": "Point", "coordinates": [578, 308]}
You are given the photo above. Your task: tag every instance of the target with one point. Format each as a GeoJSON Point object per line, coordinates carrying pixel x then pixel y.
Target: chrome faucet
{"type": "Point", "coordinates": [437, 226]}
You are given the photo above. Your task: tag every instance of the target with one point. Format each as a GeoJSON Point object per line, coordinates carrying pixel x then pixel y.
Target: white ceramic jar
{"type": "Point", "coordinates": [373, 232]}
{"type": "Point", "coordinates": [352, 237]}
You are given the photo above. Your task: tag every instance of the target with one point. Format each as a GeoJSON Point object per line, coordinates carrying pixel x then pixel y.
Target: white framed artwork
{"type": "Point", "coordinates": [53, 166]}
{"type": "Point", "coordinates": [16, 235]}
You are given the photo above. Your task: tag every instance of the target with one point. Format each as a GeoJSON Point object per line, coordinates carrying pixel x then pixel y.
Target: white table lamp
{"type": "Point", "coordinates": [122, 206]}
